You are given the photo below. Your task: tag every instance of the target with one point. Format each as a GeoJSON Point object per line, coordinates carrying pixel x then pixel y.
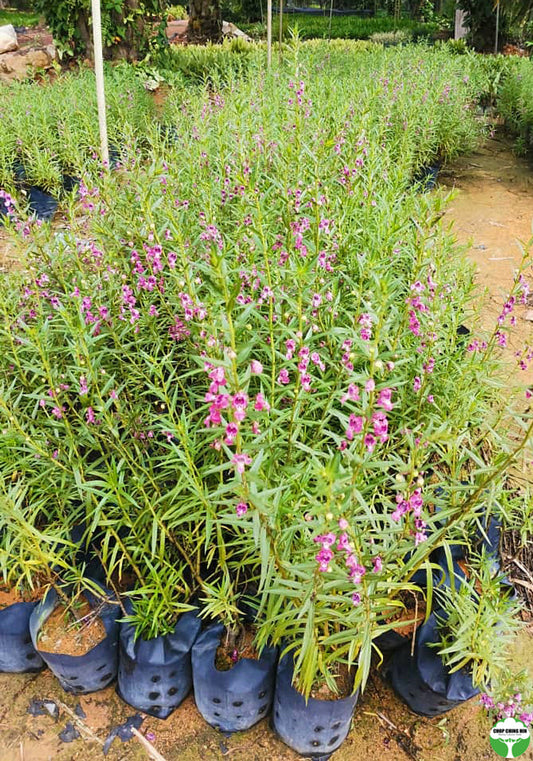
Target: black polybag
{"type": "Point", "coordinates": [95, 669]}
{"type": "Point", "coordinates": [155, 675]}
{"type": "Point", "coordinates": [17, 653]}
{"type": "Point", "coordinates": [313, 728]}
{"type": "Point", "coordinates": [236, 699]}
{"type": "Point", "coordinates": [423, 681]}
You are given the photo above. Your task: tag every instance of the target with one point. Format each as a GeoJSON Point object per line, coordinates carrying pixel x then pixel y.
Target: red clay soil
{"type": "Point", "coordinates": [72, 631]}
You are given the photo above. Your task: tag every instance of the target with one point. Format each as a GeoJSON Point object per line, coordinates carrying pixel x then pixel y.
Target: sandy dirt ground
{"type": "Point", "coordinates": [493, 208]}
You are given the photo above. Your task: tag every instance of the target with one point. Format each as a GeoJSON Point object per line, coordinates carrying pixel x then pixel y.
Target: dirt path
{"type": "Point", "coordinates": [493, 214]}
{"type": "Point", "coordinates": [493, 208]}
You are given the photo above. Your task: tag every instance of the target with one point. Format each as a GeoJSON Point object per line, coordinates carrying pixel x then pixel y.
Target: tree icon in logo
{"type": "Point", "coordinates": [509, 738]}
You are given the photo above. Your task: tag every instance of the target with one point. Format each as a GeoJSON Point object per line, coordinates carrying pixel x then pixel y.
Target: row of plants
{"type": "Point", "coordinates": [341, 27]}
{"type": "Point", "coordinates": [50, 130]}
{"type": "Point", "coordinates": [239, 383]}
{"type": "Point", "coordinates": [18, 17]}
{"type": "Point", "coordinates": [515, 104]}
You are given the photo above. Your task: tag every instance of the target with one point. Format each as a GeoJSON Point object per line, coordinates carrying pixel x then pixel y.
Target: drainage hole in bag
{"type": "Point", "coordinates": [334, 740]}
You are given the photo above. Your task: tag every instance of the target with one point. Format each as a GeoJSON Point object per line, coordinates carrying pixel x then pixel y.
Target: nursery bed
{"type": "Point", "coordinates": [494, 204]}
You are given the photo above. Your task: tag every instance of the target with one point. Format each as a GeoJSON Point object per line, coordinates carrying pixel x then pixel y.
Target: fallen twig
{"type": "Point", "coordinates": [149, 748]}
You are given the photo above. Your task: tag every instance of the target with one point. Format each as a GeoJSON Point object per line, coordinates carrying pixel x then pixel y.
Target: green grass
{"type": "Point", "coordinates": [347, 27]}
{"type": "Point", "coordinates": [18, 18]}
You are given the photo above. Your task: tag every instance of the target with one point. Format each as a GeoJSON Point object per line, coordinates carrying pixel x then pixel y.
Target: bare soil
{"type": "Point", "coordinates": [72, 631]}
{"type": "Point", "coordinates": [492, 215]}
{"type": "Point", "coordinates": [344, 681]}
{"type": "Point", "coordinates": [10, 596]}
{"type": "Point", "coordinates": [228, 654]}
{"type": "Point", "coordinates": [414, 612]}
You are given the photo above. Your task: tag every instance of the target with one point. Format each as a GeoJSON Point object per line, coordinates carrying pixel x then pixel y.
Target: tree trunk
{"type": "Point", "coordinates": [205, 21]}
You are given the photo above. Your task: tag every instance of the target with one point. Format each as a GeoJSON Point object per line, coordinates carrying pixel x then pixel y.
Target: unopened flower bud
{"type": "Point", "coordinates": [329, 516]}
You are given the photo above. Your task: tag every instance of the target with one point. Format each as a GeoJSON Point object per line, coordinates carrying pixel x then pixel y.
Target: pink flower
{"type": "Point", "coordinates": [306, 382]}
{"type": "Point", "coordinates": [291, 347]}
{"type": "Point", "coordinates": [377, 563]}
{"type": "Point", "coordinates": [255, 428]}
{"type": "Point", "coordinates": [370, 385]}
{"type": "Point", "coordinates": [113, 394]}
{"type": "Point", "coordinates": [240, 461]}
{"type": "Point", "coordinates": [370, 442]}
{"type": "Point", "coordinates": [356, 598]}
{"type": "Point", "coordinates": [384, 399]}
{"type": "Point", "coordinates": [381, 425]}
{"type": "Point", "coordinates": [232, 429]}
{"type": "Point", "coordinates": [256, 368]}
{"type": "Point", "coordinates": [326, 540]}
{"type": "Point", "coordinates": [417, 384]}
{"type": "Point", "coordinates": [241, 509]}
{"type": "Point", "coordinates": [58, 412]}
{"type": "Point", "coordinates": [283, 377]}
{"type": "Point", "coordinates": [323, 558]}
{"type": "Point", "coordinates": [352, 394]}
{"type": "Point", "coordinates": [240, 401]}
{"type": "Point", "coordinates": [89, 415]}
{"type": "Point", "coordinates": [218, 376]}
{"type": "Point", "coordinates": [356, 423]}
{"type": "Point", "coordinates": [343, 523]}
{"type": "Point", "coordinates": [261, 403]}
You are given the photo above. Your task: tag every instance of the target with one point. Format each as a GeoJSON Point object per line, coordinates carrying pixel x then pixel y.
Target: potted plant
{"type": "Point", "coordinates": [463, 647]}
{"type": "Point", "coordinates": [75, 631]}
{"type": "Point", "coordinates": [156, 637]}
{"type": "Point", "coordinates": [233, 678]}
{"type": "Point", "coordinates": [26, 559]}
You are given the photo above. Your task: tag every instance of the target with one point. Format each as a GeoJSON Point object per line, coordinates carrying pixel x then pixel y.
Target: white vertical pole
{"type": "Point", "coordinates": [280, 27]}
{"type": "Point", "coordinates": [269, 33]}
{"type": "Point", "coordinates": [497, 27]}
{"type": "Point", "coordinates": [99, 72]}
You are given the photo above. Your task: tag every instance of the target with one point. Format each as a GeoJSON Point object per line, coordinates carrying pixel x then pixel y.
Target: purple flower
{"type": "Point", "coordinates": [240, 461]}
{"type": "Point", "coordinates": [241, 509]}
{"type": "Point", "coordinates": [486, 701]}
{"type": "Point", "coordinates": [283, 377]}
{"type": "Point", "coordinates": [256, 368]}
{"type": "Point", "coordinates": [323, 559]}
